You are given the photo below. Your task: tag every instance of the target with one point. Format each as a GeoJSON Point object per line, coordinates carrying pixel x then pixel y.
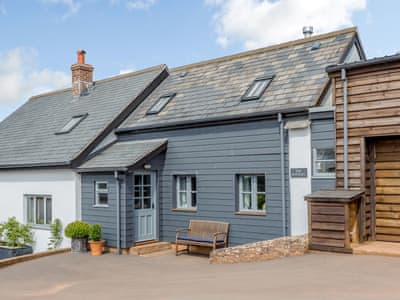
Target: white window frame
{"type": "Point", "coordinates": [188, 190]}
{"type": "Point", "coordinates": [100, 191]}
{"type": "Point", "coordinates": [46, 224]}
{"type": "Point", "coordinates": [315, 161]}
{"type": "Point", "coordinates": [254, 192]}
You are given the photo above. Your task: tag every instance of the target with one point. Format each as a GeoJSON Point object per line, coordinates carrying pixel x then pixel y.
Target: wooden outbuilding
{"type": "Point", "coordinates": [366, 96]}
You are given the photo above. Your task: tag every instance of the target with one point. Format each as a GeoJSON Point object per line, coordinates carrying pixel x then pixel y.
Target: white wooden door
{"type": "Point", "coordinates": [144, 196]}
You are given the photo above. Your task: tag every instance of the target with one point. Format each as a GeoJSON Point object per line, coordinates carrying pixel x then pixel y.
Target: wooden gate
{"type": "Point", "coordinates": [387, 190]}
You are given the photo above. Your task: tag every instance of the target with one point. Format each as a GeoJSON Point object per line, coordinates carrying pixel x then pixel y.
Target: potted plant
{"type": "Point", "coordinates": [95, 242]}
{"type": "Point", "coordinates": [16, 239]}
{"type": "Point", "coordinates": [78, 231]}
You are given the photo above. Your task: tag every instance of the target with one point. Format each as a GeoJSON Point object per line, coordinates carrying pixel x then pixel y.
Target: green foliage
{"type": "Point", "coordinates": [16, 234]}
{"type": "Point", "coordinates": [77, 230]}
{"type": "Point", "coordinates": [56, 235]}
{"type": "Point", "coordinates": [95, 232]}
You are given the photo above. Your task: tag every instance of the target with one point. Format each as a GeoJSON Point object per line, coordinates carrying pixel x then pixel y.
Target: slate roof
{"type": "Point", "coordinates": [213, 89]}
{"type": "Point", "coordinates": [27, 137]}
{"type": "Point", "coordinates": [122, 155]}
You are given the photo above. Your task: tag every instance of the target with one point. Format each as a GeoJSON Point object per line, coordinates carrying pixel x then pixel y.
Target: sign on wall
{"type": "Point", "coordinates": [298, 172]}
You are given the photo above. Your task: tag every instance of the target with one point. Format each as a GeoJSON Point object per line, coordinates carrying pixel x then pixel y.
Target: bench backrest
{"type": "Point", "coordinates": [206, 229]}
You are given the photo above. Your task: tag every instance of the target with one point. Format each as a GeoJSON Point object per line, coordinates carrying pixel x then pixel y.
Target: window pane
{"type": "Point", "coordinates": [146, 179]}
{"type": "Point", "coordinates": [253, 89]}
{"type": "Point", "coordinates": [246, 201]}
{"type": "Point", "coordinates": [182, 183]}
{"type": "Point", "coordinates": [102, 185]}
{"type": "Point", "coordinates": [146, 202]}
{"type": "Point", "coordinates": [325, 166]}
{"type": "Point", "coordinates": [138, 192]}
{"type": "Point", "coordinates": [194, 187]}
{"type": "Point", "coordinates": [325, 154]}
{"type": "Point", "coordinates": [261, 202]}
{"type": "Point", "coordinates": [138, 203]}
{"type": "Point", "coordinates": [49, 215]}
{"type": "Point", "coordinates": [138, 179]}
{"type": "Point", "coordinates": [261, 86]}
{"type": "Point", "coordinates": [194, 199]}
{"type": "Point", "coordinates": [160, 104]}
{"type": "Point", "coordinates": [102, 198]}
{"type": "Point", "coordinates": [246, 183]}
{"type": "Point", "coordinates": [183, 199]}
{"type": "Point", "coordinates": [71, 124]}
{"type": "Point", "coordinates": [39, 210]}
{"type": "Point", "coordinates": [30, 210]}
{"type": "Point", "coordinates": [147, 191]}
{"type": "Point", "coordinates": [261, 184]}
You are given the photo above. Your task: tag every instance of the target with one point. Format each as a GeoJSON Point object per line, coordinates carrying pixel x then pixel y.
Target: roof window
{"type": "Point", "coordinates": [71, 124]}
{"type": "Point", "coordinates": [160, 104]}
{"type": "Point", "coordinates": [257, 88]}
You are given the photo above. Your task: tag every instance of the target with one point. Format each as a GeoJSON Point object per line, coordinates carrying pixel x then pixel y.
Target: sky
{"type": "Point", "coordinates": [39, 38]}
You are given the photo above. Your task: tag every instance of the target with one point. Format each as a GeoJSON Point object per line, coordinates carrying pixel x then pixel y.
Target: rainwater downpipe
{"type": "Point", "coordinates": [283, 190]}
{"type": "Point", "coordinates": [345, 131]}
{"type": "Point", "coordinates": [118, 213]}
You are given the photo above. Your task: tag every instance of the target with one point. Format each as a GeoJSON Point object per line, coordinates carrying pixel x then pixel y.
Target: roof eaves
{"type": "Point", "coordinates": [239, 118]}
{"type": "Point", "coordinates": [364, 63]}
{"type": "Point", "coordinates": [36, 165]}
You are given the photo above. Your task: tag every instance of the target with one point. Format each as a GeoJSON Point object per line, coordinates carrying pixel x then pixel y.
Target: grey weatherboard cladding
{"type": "Point", "coordinates": [322, 135]}
{"type": "Point", "coordinates": [215, 155]}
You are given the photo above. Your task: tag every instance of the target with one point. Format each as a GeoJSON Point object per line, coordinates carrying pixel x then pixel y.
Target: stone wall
{"type": "Point", "coordinates": [261, 251]}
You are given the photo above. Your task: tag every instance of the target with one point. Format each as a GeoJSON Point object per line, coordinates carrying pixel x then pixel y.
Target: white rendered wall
{"type": "Point", "coordinates": [299, 157]}
{"type": "Point", "coordinates": [62, 185]}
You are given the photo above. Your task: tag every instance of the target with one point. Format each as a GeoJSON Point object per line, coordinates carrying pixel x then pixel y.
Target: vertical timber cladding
{"type": "Point", "coordinates": [373, 111]}
{"type": "Point", "coordinates": [387, 190]}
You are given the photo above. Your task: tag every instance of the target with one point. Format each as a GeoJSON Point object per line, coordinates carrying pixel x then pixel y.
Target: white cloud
{"type": "Point", "coordinates": [124, 71]}
{"type": "Point", "coordinates": [73, 6]}
{"type": "Point", "coordinates": [257, 23]}
{"type": "Point", "coordinates": [140, 4]}
{"type": "Point", "coordinates": [20, 77]}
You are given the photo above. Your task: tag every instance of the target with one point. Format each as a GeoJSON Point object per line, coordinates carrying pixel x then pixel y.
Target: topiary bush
{"type": "Point", "coordinates": [95, 232]}
{"type": "Point", "coordinates": [16, 234]}
{"type": "Point", "coordinates": [77, 230]}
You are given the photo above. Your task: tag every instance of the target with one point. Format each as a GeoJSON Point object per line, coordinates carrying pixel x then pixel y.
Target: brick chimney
{"type": "Point", "coordinates": [82, 74]}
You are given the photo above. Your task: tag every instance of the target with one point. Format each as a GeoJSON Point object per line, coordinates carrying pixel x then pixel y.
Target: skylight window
{"type": "Point", "coordinates": [257, 88]}
{"type": "Point", "coordinates": [160, 104]}
{"type": "Point", "coordinates": [71, 124]}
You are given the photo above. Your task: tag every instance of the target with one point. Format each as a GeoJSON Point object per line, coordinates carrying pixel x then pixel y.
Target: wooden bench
{"type": "Point", "coordinates": [202, 233]}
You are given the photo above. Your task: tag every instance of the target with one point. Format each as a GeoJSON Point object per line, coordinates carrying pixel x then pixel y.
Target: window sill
{"type": "Point", "coordinates": [189, 210]}
{"type": "Point", "coordinates": [40, 226]}
{"type": "Point", "coordinates": [251, 213]}
{"type": "Point", "coordinates": [101, 205]}
{"type": "Point", "coordinates": [323, 177]}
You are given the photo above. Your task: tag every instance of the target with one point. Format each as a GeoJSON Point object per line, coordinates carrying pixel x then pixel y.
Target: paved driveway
{"type": "Point", "coordinates": [111, 277]}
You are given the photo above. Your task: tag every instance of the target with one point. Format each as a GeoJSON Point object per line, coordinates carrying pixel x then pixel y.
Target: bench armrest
{"type": "Point", "coordinates": [216, 234]}
{"type": "Point", "coordinates": [180, 230]}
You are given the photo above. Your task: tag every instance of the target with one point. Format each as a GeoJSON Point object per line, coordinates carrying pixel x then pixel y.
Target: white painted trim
{"type": "Point", "coordinates": [299, 157]}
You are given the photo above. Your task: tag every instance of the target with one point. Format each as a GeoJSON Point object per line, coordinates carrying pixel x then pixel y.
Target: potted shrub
{"type": "Point", "coordinates": [95, 242]}
{"type": "Point", "coordinates": [16, 239]}
{"type": "Point", "coordinates": [78, 231]}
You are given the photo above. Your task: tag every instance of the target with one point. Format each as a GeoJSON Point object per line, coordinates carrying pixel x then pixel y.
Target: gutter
{"type": "Point", "coordinates": [117, 180]}
{"type": "Point", "coordinates": [345, 130]}
{"type": "Point", "coordinates": [283, 188]}
{"type": "Point", "coordinates": [239, 118]}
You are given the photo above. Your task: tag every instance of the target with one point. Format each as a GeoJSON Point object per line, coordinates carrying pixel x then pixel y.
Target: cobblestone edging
{"type": "Point", "coordinates": [261, 251]}
{"type": "Point", "coordinates": [18, 259]}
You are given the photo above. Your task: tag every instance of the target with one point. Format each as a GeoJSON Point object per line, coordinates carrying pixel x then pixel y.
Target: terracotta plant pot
{"type": "Point", "coordinates": [96, 247]}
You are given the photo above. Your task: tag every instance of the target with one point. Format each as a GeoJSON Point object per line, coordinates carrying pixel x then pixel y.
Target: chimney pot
{"type": "Point", "coordinates": [308, 31]}
{"type": "Point", "coordinates": [81, 57]}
